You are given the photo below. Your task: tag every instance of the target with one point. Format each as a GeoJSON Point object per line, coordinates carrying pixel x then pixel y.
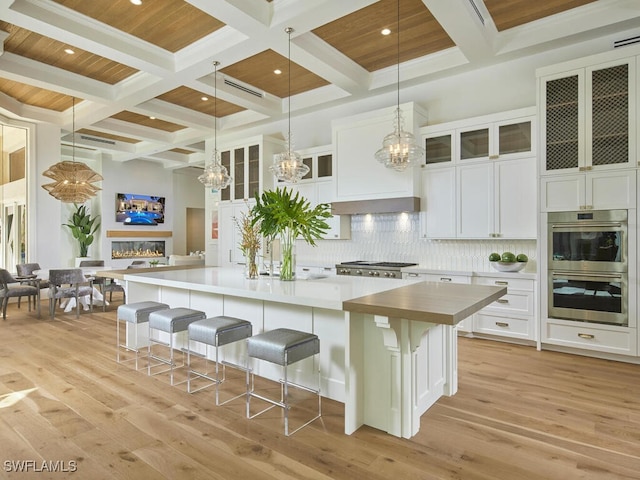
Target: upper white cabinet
{"type": "Point", "coordinates": [356, 139]}
{"type": "Point", "coordinates": [488, 189]}
{"type": "Point", "coordinates": [588, 114]}
{"type": "Point", "coordinates": [505, 135]}
{"type": "Point", "coordinates": [588, 191]}
{"type": "Point", "coordinates": [497, 199]}
{"type": "Point", "coordinates": [247, 162]}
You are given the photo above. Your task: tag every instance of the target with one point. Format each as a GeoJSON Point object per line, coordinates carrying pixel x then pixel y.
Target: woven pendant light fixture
{"type": "Point", "coordinates": [73, 181]}
{"type": "Point", "coordinates": [288, 165]}
{"type": "Point", "coordinates": [399, 148]}
{"type": "Point", "coordinates": [215, 174]}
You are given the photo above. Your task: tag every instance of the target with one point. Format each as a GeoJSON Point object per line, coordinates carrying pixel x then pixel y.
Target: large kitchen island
{"type": "Point", "coordinates": [388, 348]}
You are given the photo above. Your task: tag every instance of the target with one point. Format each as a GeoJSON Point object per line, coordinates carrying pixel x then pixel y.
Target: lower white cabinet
{"type": "Point", "coordinates": [511, 316]}
{"type": "Point", "coordinates": [590, 336]}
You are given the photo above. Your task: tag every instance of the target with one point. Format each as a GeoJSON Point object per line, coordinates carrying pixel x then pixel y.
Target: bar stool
{"type": "Point", "coordinates": [216, 332]}
{"type": "Point", "coordinates": [283, 347]}
{"type": "Point", "coordinates": [171, 321]}
{"type": "Point", "coordinates": [133, 314]}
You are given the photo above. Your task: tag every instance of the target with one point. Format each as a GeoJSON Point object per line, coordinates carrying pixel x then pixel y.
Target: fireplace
{"type": "Point", "coordinates": [137, 249]}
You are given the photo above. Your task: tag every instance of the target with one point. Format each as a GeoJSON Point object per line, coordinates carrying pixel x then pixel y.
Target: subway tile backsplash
{"type": "Point", "coordinates": [396, 238]}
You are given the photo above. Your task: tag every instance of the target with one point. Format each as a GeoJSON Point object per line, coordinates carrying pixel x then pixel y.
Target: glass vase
{"type": "Point", "coordinates": [287, 256]}
{"type": "Point", "coordinates": [251, 264]}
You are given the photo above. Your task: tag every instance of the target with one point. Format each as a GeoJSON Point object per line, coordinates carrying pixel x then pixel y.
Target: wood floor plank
{"type": "Point", "coordinates": [518, 414]}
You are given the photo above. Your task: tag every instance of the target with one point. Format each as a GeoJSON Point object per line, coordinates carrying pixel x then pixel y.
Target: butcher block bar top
{"type": "Point", "coordinates": [434, 302]}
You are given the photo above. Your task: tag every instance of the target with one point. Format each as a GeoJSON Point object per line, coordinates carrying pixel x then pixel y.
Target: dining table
{"type": "Point", "coordinates": [69, 304]}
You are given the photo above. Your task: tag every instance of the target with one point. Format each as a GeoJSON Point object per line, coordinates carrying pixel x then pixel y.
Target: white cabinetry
{"type": "Point", "coordinates": [481, 184]}
{"type": "Point", "coordinates": [588, 114]}
{"type": "Point", "coordinates": [504, 135]}
{"type": "Point", "coordinates": [588, 191]}
{"type": "Point", "coordinates": [247, 162]}
{"type": "Point", "coordinates": [357, 174]}
{"type": "Point", "coordinates": [513, 315]}
{"type": "Point", "coordinates": [229, 253]}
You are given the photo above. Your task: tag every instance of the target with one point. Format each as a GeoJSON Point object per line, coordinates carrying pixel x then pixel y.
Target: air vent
{"type": "Point", "coordinates": [243, 88]}
{"type": "Point", "coordinates": [626, 41]}
{"type": "Point", "coordinates": [96, 139]}
{"type": "Point", "coordinates": [477, 10]}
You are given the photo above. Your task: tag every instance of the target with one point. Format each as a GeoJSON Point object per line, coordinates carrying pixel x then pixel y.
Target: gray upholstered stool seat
{"type": "Point", "coordinates": [216, 332]}
{"type": "Point", "coordinates": [171, 321]}
{"type": "Point", "coordinates": [133, 314]}
{"type": "Point", "coordinates": [283, 347]}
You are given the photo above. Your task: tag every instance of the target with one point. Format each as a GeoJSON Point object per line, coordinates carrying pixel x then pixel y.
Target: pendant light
{"type": "Point", "coordinates": [288, 165]}
{"type": "Point", "coordinates": [399, 148]}
{"type": "Point", "coordinates": [215, 174]}
{"type": "Point", "coordinates": [73, 180]}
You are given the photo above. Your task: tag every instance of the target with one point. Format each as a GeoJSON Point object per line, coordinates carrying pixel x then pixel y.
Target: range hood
{"type": "Point", "coordinates": [382, 205]}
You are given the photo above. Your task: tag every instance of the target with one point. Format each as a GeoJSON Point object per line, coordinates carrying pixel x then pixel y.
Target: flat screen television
{"type": "Point", "coordinates": [136, 209]}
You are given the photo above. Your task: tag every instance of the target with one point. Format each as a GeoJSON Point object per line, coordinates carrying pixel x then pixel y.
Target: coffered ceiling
{"type": "Point", "coordinates": [142, 75]}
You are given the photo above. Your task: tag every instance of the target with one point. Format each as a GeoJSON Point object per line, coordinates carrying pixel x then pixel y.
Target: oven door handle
{"type": "Point", "coordinates": [579, 225]}
{"type": "Point", "coordinates": [586, 275]}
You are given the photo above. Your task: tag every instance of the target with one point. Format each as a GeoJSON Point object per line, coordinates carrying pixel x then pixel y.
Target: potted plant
{"type": "Point", "coordinates": [83, 227]}
{"type": "Point", "coordinates": [287, 216]}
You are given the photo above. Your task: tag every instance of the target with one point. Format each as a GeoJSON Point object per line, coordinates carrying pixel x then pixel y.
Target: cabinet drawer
{"type": "Point", "coordinates": [432, 277]}
{"type": "Point", "coordinates": [504, 326]}
{"type": "Point", "coordinates": [591, 337]}
{"type": "Point", "coordinates": [510, 283]}
{"type": "Point", "coordinates": [517, 302]}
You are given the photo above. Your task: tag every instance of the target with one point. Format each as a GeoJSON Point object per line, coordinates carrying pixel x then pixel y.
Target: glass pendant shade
{"type": "Point", "coordinates": [288, 165]}
{"type": "Point", "coordinates": [215, 174]}
{"type": "Point", "coordinates": [399, 148]}
{"type": "Point", "coordinates": [73, 181]}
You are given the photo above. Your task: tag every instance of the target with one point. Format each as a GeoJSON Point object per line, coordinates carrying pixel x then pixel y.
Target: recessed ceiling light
{"type": "Point", "coordinates": [136, 2]}
{"type": "Point", "coordinates": [385, 31]}
{"type": "Point", "coordinates": [152, 118]}
{"type": "Point", "coordinates": [277, 71]}
{"type": "Point", "coordinates": [204, 99]}
{"type": "Point", "coordinates": [69, 51]}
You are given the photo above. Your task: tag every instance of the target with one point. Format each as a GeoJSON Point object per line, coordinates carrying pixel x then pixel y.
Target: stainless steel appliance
{"type": "Point", "coordinates": [588, 266]}
{"type": "Point", "coordinates": [372, 269]}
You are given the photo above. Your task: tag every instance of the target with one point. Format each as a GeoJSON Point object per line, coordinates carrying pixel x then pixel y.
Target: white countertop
{"type": "Point", "coordinates": [321, 292]}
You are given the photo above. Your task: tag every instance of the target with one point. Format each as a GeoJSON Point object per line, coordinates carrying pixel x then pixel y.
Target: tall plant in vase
{"type": "Point", "coordinates": [281, 214]}
{"type": "Point", "coordinates": [83, 227]}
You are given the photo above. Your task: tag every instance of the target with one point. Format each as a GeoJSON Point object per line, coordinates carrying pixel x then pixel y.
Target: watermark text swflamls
{"type": "Point", "coordinates": [39, 466]}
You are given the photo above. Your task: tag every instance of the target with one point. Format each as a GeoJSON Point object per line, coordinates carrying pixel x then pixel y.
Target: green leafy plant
{"type": "Point", "coordinates": [281, 213]}
{"type": "Point", "coordinates": [83, 227]}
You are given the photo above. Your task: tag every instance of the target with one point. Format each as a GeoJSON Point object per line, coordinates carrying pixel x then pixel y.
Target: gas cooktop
{"type": "Point", "coordinates": [372, 269]}
{"type": "Point", "coordinates": [363, 263]}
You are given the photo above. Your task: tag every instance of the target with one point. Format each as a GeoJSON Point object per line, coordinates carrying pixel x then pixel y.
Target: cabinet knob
{"type": "Point", "coordinates": [494, 157]}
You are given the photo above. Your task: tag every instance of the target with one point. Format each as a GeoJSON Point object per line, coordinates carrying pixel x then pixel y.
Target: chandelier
{"type": "Point", "coordinates": [288, 165]}
{"type": "Point", "coordinates": [215, 174]}
{"type": "Point", "coordinates": [73, 181]}
{"type": "Point", "coordinates": [399, 148]}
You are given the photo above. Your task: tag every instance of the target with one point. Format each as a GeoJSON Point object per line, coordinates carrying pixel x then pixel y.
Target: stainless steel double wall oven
{"type": "Point", "coordinates": [588, 266]}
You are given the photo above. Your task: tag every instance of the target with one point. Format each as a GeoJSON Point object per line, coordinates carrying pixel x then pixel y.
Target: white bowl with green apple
{"type": "Point", "coordinates": [508, 262]}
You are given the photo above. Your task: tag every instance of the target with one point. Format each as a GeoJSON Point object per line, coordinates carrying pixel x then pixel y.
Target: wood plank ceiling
{"type": "Point", "coordinates": [143, 75]}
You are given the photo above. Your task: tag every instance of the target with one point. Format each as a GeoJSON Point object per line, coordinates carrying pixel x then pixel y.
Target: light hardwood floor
{"type": "Point", "coordinates": [519, 414]}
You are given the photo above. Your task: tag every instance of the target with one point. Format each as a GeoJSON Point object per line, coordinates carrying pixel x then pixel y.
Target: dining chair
{"type": "Point", "coordinates": [106, 285]}
{"type": "Point", "coordinates": [69, 283]}
{"type": "Point", "coordinates": [25, 275]}
{"type": "Point", "coordinates": [10, 287]}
